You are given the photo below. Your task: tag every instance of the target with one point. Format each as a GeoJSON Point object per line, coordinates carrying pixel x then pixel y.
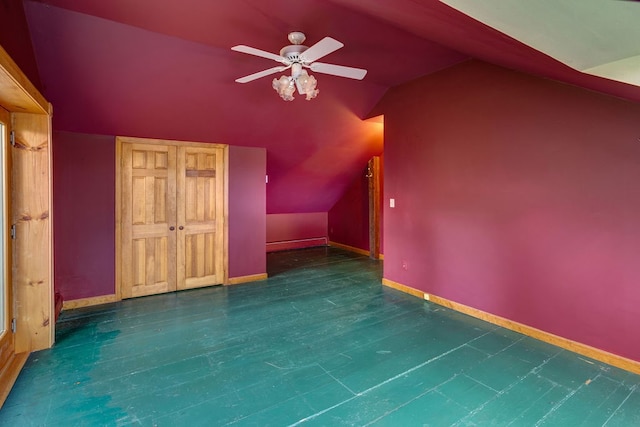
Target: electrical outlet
{"type": "Point", "coordinates": [405, 265]}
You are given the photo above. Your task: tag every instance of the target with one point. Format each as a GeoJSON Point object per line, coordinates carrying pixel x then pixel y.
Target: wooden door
{"type": "Point", "coordinates": [373, 169]}
{"type": "Point", "coordinates": [170, 216]}
{"type": "Point", "coordinates": [200, 217]}
{"type": "Point", "coordinates": [148, 210]}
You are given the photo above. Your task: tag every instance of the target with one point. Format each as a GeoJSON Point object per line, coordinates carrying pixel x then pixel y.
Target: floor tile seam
{"type": "Point", "coordinates": [375, 387]}
{"type": "Point", "coordinates": [132, 328]}
{"type": "Point", "coordinates": [424, 393]}
{"type": "Point", "coordinates": [337, 380]}
{"type": "Point", "coordinates": [288, 320]}
{"type": "Point", "coordinates": [633, 390]}
{"type": "Point", "coordinates": [604, 401]}
{"type": "Point", "coordinates": [394, 317]}
{"type": "Point", "coordinates": [539, 398]}
{"type": "Point", "coordinates": [336, 282]}
{"type": "Point", "coordinates": [303, 292]}
{"type": "Point", "coordinates": [510, 345]}
{"type": "Point", "coordinates": [123, 374]}
{"type": "Point", "coordinates": [560, 403]}
{"type": "Point", "coordinates": [479, 382]}
{"type": "Point", "coordinates": [199, 399]}
{"type": "Point", "coordinates": [373, 342]}
{"type": "Point", "coordinates": [502, 392]}
{"type": "Point", "coordinates": [325, 265]}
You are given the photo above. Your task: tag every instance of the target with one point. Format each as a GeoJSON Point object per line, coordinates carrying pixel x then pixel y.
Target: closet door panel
{"type": "Point", "coordinates": [200, 192]}
{"type": "Point", "coordinates": [149, 219]}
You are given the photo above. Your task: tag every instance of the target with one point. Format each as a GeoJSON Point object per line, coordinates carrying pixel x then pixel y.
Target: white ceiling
{"type": "Point", "coordinates": [598, 37]}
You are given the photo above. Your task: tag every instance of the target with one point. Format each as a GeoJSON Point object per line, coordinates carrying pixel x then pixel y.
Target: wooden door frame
{"type": "Point", "coordinates": [118, 208]}
{"type": "Point", "coordinates": [30, 196]}
{"type": "Point", "coordinates": [373, 173]}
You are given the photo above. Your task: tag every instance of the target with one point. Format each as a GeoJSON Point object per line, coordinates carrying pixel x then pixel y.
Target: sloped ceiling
{"type": "Point", "coordinates": [164, 69]}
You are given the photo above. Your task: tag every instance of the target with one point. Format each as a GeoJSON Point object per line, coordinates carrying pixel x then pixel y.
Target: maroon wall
{"type": "Point", "coordinates": [16, 40]}
{"type": "Point", "coordinates": [83, 214]}
{"type": "Point", "coordinates": [296, 230]}
{"type": "Point", "coordinates": [348, 219]}
{"type": "Point", "coordinates": [84, 209]}
{"type": "Point", "coordinates": [247, 211]}
{"type": "Point", "coordinates": [517, 196]}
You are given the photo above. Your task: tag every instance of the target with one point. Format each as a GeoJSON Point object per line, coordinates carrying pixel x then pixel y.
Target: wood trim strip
{"type": "Point", "coordinates": [17, 93]}
{"type": "Point", "coordinates": [225, 215]}
{"type": "Point", "coordinates": [118, 218]}
{"type": "Point", "coordinates": [565, 343]}
{"type": "Point", "coordinates": [175, 142]}
{"type": "Point", "coordinates": [402, 288]}
{"type": "Point", "coordinates": [374, 206]}
{"type": "Point", "coordinates": [245, 279]}
{"type": "Point", "coordinates": [9, 375]}
{"type": "Point", "coordinates": [349, 248]}
{"type": "Point", "coordinates": [87, 302]}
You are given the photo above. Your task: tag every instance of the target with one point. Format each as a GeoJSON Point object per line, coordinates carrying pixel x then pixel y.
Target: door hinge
{"type": "Point", "coordinates": [13, 325]}
{"type": "Point", "coordinates": [13, 232]}
{"type": "Point", "coordinates": [12, 138]}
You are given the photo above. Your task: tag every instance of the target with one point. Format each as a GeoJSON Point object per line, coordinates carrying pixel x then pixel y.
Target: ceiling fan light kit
{"type": "Point", "coordinates": [298, 57]}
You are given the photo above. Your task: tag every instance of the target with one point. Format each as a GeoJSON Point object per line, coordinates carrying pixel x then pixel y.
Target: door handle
{"type": "Point", "coordinates": [181, 228]}
{"type": "Point", "coordinates": [172, 228]}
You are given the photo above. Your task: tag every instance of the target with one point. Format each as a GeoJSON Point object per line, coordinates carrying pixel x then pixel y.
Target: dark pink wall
{"type": "Point", "coordinates": [517, 196]}
{"type": "Point", "coordinates": [84, 208]}
{"type": "Point", "coordinates": [247, 211]}
{"type": "Point", "coordinates": [16, 40]}
{"type": "Point", "coordinates": [349, 218]}
{"type": "Point", "coordinates": [83, 214]}
{"type": "Point", "coordinates": [296, 230]}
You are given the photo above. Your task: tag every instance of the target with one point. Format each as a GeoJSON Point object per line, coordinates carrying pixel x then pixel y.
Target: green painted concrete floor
{"type": "Point", "coordinates": [319, 343]}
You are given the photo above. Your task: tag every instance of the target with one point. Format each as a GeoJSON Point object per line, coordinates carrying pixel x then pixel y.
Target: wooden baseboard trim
{"type": "Point", "coordinates": [86, 302]}
{"type": "Point", "coordinates": [353, 249]}
{"type": "Point", "coordinates": [10, 373]}
{"type": "Point", "coordinates": [403, 288]}
{"type": "Point", "coordinates": [246, 279]}
{"type": "Point", "coordinates": [565, 343]}
{"type": "Point", "coordinates": [349, 248]}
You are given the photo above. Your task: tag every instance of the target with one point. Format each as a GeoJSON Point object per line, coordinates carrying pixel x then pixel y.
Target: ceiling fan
{"type": "Point", "coordinates": [298, 58]}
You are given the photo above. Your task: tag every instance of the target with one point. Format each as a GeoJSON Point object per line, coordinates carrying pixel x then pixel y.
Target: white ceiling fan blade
{"type": "Point", "coordinates": [259, 74]}
{"type": "Point", "coordinates": [257, 52]}
{"type": "Point", "coordinates": [338, 70]}
{"type": "Point", "coordinates": [320, 49]}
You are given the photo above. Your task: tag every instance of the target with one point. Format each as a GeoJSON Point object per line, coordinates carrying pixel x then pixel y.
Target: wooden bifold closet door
{"type": "Point", "coordinates": [171, 216]}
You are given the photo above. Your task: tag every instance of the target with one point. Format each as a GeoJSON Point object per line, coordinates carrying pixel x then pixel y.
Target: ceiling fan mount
{"type": "Point", "coordinates": [293, 51]}
{"type": "Point", "coordinates": [297, 57]}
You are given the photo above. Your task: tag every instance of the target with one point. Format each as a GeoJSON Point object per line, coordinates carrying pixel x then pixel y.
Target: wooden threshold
{"type": "Point", "coordinates": [246, 279]}
{"type": "Point", "coordinates": [86, 302]}
{"type": "Point", "coordinates": [565, 343]}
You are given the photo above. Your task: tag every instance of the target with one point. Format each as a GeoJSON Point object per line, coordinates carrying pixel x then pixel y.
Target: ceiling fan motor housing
{"type": "Point", "coordinates": [292, 52]}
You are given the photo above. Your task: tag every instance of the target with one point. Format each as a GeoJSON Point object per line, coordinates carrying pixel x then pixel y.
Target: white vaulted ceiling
{"type": "Point", "coordinates": [599, 37]}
